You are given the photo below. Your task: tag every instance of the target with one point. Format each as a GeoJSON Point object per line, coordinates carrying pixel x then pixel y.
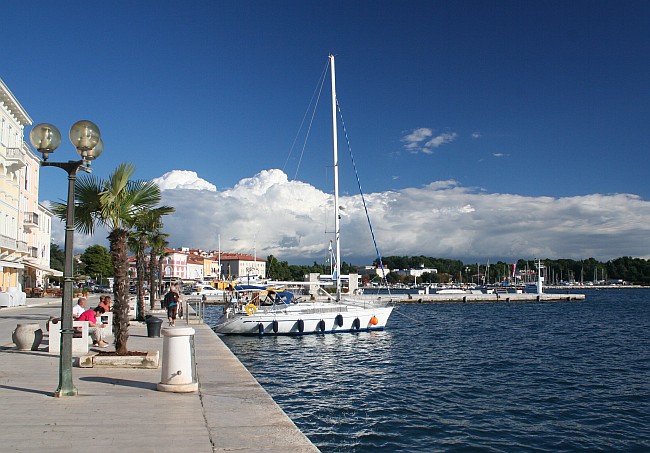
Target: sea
{"type": "Point", "coordinates": [470, 377]}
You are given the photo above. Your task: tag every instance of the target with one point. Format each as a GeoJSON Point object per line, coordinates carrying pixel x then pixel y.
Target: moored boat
{"type": "Point", "coordinates": [276, 312]}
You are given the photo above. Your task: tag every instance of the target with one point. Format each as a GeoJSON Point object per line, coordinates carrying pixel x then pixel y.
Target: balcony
{"type": "Point", "coordinates": [15, 159]}
{"type": "Point", "coordinates": [21, 246]}
{"type": "Point", "coordinates": [7, 243]}
{"type": "Point", "coordinates": [31, 220]}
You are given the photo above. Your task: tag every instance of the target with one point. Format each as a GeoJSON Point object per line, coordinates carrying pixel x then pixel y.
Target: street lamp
{"type": "Point", "coordinates": [85, 136]}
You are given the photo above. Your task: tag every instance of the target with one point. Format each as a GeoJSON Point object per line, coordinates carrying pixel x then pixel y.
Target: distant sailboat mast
{"type": "Point", "coordinates": [337, 229]}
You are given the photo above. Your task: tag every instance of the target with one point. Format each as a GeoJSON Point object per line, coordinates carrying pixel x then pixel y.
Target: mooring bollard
{"type": "Point", "coordinates": [177, 370]}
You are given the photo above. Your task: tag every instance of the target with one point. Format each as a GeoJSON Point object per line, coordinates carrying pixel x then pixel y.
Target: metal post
{"type": "Point", "coordinates": [66, 387]}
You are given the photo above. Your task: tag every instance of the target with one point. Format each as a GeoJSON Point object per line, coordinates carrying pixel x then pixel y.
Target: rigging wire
{"type": "Point", "coordinates": [363, 198]}
{"type": "Point", "coordinates": [316, 94]}
{"type": "Point", "coordinates": [399, 312]}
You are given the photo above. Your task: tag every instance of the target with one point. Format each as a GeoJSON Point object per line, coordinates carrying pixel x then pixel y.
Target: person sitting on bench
{"type": "Point", "coordinates": [78, 309]}
{"type": "Point", "coordinates": [95, 330]}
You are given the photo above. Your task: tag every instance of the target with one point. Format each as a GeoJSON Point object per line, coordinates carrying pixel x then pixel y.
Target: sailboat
{"type": "Point", "coordinates": [272, 311]}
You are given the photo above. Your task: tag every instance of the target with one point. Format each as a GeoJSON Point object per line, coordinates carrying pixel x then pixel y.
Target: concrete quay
{"type": "Point", "coordinates": [495, 297]}
{"type": "Point", "coordinates": [121, 410]}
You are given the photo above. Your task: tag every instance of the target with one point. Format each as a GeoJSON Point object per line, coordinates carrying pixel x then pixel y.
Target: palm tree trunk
{"type": "Point", "coordinates": [140, 274]}
{"type": "Point", "coordinates": [153, 288]}
{"type": "Point", "coordinates": [118, 248]}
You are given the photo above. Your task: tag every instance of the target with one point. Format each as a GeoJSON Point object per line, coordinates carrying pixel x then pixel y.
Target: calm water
{"type": "Point", "coordinates": [545, 377]}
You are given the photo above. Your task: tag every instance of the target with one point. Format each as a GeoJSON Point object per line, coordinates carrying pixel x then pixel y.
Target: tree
{"type": "Point", "coordinates": [57, 257]}
{"type": "Point", "coordinates": [147, 222]}
{"type": "Point", "coordinates": [113, 203]}
{"type": "Point", "coordinates": [157, 244]}
{"type": "Point", "coordinates": [97, 261]}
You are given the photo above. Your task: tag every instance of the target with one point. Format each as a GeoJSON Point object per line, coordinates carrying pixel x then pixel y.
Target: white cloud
{"type": "Point", "coordinates": [183, 179]}
{"type": "Point", "coordinates": [414, 139]}
{"type": "Point", "coordinates": [419, 140]}
{"type": "Point", "coordinates": [476, 135]}
{"type": "Point", "coordinates": [441, 140]}
{"type": "Point", "coordinates": [268, 214]}
{"type": "Point", "coordinates": [499, 154]}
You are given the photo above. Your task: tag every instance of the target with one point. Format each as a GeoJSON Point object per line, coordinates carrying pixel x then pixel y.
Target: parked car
{"type": "Point", "coordinates": [207, 291]}
{"type": "Point", "coordinates": [102, 289]}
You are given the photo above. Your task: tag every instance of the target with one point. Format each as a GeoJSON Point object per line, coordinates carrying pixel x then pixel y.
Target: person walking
{"type": "Point", "coordinates": [172, 300]}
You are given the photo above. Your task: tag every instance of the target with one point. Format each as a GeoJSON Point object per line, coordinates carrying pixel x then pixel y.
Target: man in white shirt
{"type": "Point", "coordinates": [78, 309]}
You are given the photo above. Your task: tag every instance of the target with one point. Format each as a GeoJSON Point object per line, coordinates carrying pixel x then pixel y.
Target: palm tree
{"type": "Point", "coordinates": [147, 222]}
{"type": "Point", "coordinates": [113, 203]}
{"type": "Point", "coordinates": [157, 243]}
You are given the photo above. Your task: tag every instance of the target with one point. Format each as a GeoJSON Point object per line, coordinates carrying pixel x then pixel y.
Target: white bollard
{"type": "Point", "coordinates": [177, 373]}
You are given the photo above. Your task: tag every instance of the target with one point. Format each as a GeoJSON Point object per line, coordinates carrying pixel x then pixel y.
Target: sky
{"type": "Point", "coordinates": [480, 129]}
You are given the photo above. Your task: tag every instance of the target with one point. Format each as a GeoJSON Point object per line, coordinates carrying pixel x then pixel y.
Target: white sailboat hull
{"type": "Point", "coordinates": [305, 318]}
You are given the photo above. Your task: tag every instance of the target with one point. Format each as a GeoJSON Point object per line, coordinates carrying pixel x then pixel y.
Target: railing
{"type": "Point", "coordinates": [198, 309]}
{"type": "Point", "coordinates": [31, 218]}
{"type": "Point", "coordinates": [21, 246]}
{"type": "Point", "coordinates": [15, 154]}
{"type": "Point", "coordinates": [7, 243]}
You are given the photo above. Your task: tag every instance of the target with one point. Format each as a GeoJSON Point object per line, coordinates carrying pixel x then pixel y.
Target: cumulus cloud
{"type": "Point", "coordinates": [183, 179]}
{"type": "Point", "coordinates": [422, 140]}
{"type": "Point", "coordinates": [292, 220]}
{"type": "Point", "coordinates": [414, 139]}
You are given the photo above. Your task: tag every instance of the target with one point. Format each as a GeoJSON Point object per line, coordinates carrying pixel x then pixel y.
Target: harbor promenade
{"type": "Point", "coordinates": [119, 409]}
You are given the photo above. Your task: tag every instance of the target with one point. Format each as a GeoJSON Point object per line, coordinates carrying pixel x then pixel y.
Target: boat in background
{"type": "Point", "coordinates": [270, 310]}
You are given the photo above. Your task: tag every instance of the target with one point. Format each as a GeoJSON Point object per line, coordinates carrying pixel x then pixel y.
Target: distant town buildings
{"type": "Point", "coordinates": [196, 265]}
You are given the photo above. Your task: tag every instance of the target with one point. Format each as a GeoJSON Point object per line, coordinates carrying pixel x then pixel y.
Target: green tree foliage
{"type": "Point", "coordinates": [115, 204]}
{"type": "Point", "coordinates": [283, 271]}
{"type": "Point", "coordinates": [443, 265]}
{"type": "Point", "coordinates": [57, 257]}
{"type": "Point", "coordinates": [97, 261]}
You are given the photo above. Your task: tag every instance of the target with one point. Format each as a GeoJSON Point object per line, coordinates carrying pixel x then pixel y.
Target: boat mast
{"type": "Point", "coordinates": [337, 228]}
{"type": "Point", "coordinates": [219, 259]}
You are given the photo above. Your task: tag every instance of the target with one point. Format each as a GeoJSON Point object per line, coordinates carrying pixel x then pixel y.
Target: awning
{"type": "Point", "coordinates": [11, 264]}
{"type": "Point", "coordinates": [29, 263]}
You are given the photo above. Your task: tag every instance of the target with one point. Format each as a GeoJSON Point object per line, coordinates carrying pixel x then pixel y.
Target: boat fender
{"type": "Point", "coordinates": [374, 320]}
{"type": "Point", "coordinates": [251, 308]}
{"type": "Point", "coordinates": [339, 320]}
{"type": "Point", "coordinates": [260, 328]}
{"type": "Point", "coordinates": [356, 324]}
{"type": "Point", "coordinates": [275, 326]}
{"type": "Point", "coordinates": [301, 325]}
{"type": "Point", "coordinates": [321, 325]}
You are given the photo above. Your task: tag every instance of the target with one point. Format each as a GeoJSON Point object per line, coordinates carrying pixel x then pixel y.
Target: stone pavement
{"type": "Point", "coordinates": [121, 410]}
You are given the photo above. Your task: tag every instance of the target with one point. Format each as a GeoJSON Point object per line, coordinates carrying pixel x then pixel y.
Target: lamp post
{"type": "Point", "coordinates": [85, 136]}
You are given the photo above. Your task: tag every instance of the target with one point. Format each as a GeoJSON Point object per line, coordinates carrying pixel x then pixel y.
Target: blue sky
{"type": "Point", "coordinates": [515, 100]}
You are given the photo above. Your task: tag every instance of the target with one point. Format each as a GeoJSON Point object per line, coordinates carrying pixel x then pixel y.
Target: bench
{"type": "Point", "coordinates": [107, 318]}
{"type": "Point", "coordinates": [79, 345]}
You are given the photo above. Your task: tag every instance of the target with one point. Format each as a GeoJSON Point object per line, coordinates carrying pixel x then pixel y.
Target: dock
{"type": "Point", "coordinates": [494, 297]}
{"type": "Point", "coordinates": [119, 409]}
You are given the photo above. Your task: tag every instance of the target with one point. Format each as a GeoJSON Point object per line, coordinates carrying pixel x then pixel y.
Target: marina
{"type": "Point", "coordinates": [458, 377]}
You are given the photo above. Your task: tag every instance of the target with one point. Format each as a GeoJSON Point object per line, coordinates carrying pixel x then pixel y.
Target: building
{"type": "Point", "coordinates": [195, 268]}
{"type": "Point", "coordinates": [25, 225]}
{"type": "Point", "coordinates": [369, 272]}
{"type": "Point", "coordinates": [415, 272]}
{"type": "Point", "coordinates": [239, 266]}
{"type": "Point", "coordinates": [174, 265]}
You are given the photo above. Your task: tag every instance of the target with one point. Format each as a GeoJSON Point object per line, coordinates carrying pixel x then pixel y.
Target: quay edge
{"type": "Point", "coordinates": [495, 298]}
